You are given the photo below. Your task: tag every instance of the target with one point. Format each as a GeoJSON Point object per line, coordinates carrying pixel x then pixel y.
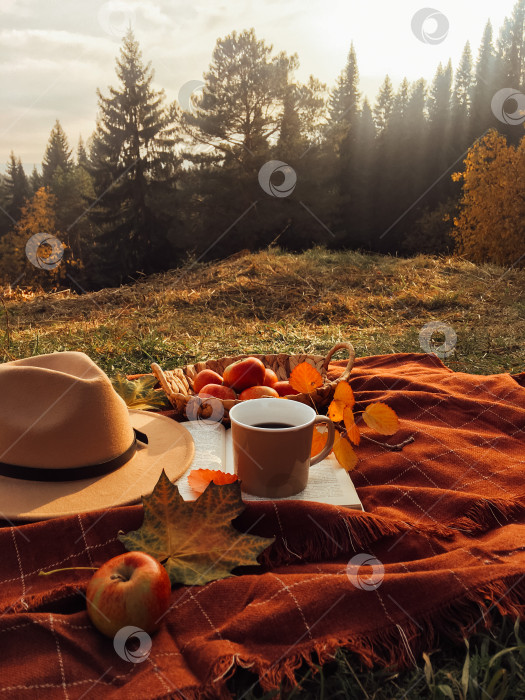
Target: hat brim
{"type": "Point", "coordinates": [170, 447]}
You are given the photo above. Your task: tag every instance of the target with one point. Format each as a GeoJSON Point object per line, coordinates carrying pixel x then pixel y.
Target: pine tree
{"type": "Point", "coordinates": [134, 170]}
{"type": "Point", "coordinates": [57, 155]}
{"type": "Point", "coordinates": [239, 109]}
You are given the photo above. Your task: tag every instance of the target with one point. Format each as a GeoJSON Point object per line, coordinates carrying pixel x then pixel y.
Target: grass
{"type": "Point", "coordinates": [278, 302]}
{"type": "Point", "coordinates": [487, 667]}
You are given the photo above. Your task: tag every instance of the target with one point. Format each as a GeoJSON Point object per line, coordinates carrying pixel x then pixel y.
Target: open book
{"type": "Point", "coordinates": [327, 481]}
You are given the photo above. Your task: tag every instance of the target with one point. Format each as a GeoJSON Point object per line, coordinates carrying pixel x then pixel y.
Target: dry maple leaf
{"type": "Point", "coordinates": [344, 452]}
{"type": "Point", "coordinates": [381, 418]}
{"type": "Point", "coordinates": [195, 540]}
{"type": "Point", "coordinates": [351, 428]}
{"type": "Point", "coordinates": [305, 378]}
{"type": "Point", "coordinates": [199, 479]}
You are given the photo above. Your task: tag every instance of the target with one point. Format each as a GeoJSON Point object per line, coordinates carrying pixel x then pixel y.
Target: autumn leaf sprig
{"type": "Point", "coordinates": [378, 416]}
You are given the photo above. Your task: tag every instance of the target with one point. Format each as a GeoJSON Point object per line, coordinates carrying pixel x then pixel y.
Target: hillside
{"type": "Point", "coordinates": [279, 302]}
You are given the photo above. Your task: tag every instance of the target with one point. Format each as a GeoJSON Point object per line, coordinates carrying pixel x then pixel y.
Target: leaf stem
{"type": "Point", "coordinates": [393, 448]}
{"type": "Point", "coordinates": [67, 568]}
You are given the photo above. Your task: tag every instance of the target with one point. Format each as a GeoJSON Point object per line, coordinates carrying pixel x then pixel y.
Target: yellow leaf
{"type": "Point", "coordinates": [381, 418]}
{"type": "Point", "coordinates": [344, 393]}
{"type": "Point", "coordinates": [344, 452]}
{"type": "Point", "coordinates": [351, 428]}
{"type": "Point", "coordinates": [305, 378]}
{"type": "Point", "coordinates": [335, 411]}
{"type": "Point", "coordinates": [318, 441]}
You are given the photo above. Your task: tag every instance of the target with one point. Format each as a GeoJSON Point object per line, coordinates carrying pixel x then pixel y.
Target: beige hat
{"type": "Point", "coordinates": [69, 444]}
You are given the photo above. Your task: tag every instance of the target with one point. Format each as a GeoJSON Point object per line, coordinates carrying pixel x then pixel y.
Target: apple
{"type": "Point", "coordinates": [270, 378]}
{"type": "Point", "coordinates": [285, 389]}
{"type": "Point", "coordinates": [204, 377]}
{"type": "Point", "coordinates": [258, 392]}
{"type": "Point", "coordinates": [130, 589]}
{"type": "Point", "coordinates": [244, 373]}
{"type": "Point", "coordinates": [218, 392]}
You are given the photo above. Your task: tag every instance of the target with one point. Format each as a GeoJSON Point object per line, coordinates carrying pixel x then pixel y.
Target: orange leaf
{"type": "Point", "coordinates": [199, 479]}
{"type": "Point", "coordinates": [351, 428]}
{"type": "Point", "coordinates": [381, 418]}
{"type": "Point", "coordinates": [344, 393]}
{"type": "Point", "coordinates": [335, 411]}
{"type": "Point", "coordinates": [318, 441]}
{"type": "Point", "coordinates": [305, 378]}
{"type": "Point", "coordinates": [344, 452]}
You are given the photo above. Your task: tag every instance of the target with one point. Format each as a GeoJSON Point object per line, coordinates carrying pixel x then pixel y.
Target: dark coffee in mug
{"type": "Point", "coordinates": [272, 426]}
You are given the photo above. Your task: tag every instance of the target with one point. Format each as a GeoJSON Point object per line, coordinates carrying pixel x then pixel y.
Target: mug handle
{"type": "Point", "coordinates": [329, 443]}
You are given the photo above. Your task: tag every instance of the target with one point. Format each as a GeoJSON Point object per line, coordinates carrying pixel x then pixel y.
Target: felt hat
{"type": "Point", "coordinates": [69, 444]}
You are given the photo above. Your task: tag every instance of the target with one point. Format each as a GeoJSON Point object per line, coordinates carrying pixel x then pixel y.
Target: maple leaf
{"type": "Point", "coordinates": [305, 378]}
{"type": "Point", "coordinates": [344, 452]}
{"type": "Point", "coordinates": [199, 479]}
{"type": "Point", "coordinates": [381, 418]}
{"type": "Point", "coordinates": [351, 428]}
{"type": "Point", "coordinates": [139, 393]}
{"type": "Point", "coordinates": [195, 540]}
{"type": "Point", "coordinates": [318, 441]}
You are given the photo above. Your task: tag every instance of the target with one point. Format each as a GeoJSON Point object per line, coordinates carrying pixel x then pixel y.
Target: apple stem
{"type": "Point", "coordinates": [67, 568]}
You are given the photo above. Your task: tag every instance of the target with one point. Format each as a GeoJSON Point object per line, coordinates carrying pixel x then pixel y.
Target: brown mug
{"type": "Point", "coordinates": [272, 441]}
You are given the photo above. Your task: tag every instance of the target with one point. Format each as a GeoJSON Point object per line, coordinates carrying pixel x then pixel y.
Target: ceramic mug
{"type": "Point", "coordinates": [272, 440]}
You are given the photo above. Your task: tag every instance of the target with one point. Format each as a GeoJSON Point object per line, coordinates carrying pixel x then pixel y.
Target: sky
{"type": "Point", "coordinates": [55, 54]}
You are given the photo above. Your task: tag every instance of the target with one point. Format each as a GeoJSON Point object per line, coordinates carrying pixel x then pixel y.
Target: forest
{"type": "Point", "coordinates": [254, 158]}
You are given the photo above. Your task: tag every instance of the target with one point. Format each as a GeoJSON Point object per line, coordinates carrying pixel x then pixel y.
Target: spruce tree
{"type": "Point", "coordinates": [57, 154]}
{"type": "Point", "coordinates": [16, 188]}
{"type": "Point", "coordinates": [134, 169]}
{"type": "Point", "coordinates": [343, 175]}
{"type": "Point", "coordinates": [486, 84]}
{"type": "Point", "coordinates": [511, 49]}
{"type": "Point", "coordinates": [384, 105]}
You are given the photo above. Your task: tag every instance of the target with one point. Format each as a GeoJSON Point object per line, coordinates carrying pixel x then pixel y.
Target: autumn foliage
{"type": "Point", "coordinates": [490, 225]}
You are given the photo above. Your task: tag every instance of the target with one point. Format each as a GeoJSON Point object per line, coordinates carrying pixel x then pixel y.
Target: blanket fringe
{"type": "Point", "coordinates": [486, 514]}
{"type": "Point", "coordinates": [396, 646]}
{"type": "Point", "coordinates": [330, 538]}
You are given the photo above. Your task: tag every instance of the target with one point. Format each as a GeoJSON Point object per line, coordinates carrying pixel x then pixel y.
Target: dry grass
{"type": "Point", "coordinates": [278, 302]}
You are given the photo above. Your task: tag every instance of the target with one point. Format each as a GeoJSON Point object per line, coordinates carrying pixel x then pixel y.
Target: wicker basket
{"type": "Point", "coordinates": [178, 383]}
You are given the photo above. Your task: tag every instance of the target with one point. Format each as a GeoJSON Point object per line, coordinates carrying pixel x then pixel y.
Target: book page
{"type": "Point", "coordinates": [328, 482]}
{"type": "Point", "coordinates": [210, 452]}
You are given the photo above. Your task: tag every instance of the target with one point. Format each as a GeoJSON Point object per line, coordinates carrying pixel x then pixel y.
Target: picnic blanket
{"type": "Point", "coordinates": [443, 534]}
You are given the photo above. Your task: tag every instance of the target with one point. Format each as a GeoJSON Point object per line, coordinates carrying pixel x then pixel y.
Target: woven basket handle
{"type": "Point", "coordinates": [351, 352]}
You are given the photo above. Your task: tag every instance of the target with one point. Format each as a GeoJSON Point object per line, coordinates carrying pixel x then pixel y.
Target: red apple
{"type": "Point", "coordinates": [270, 378]}
{"type": "Point", "coordinates": [285, 389]}
{"type": "Point", "coordinates": [218, 392]}
{"type": "Point", "coordinates": [244, 373]}
{"type": "Point", "coordinates": [204, 377]}
{"type": "Point", "coordinates": [130, 589]}
{"type": "Point", "coordinates": [258, 392]}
